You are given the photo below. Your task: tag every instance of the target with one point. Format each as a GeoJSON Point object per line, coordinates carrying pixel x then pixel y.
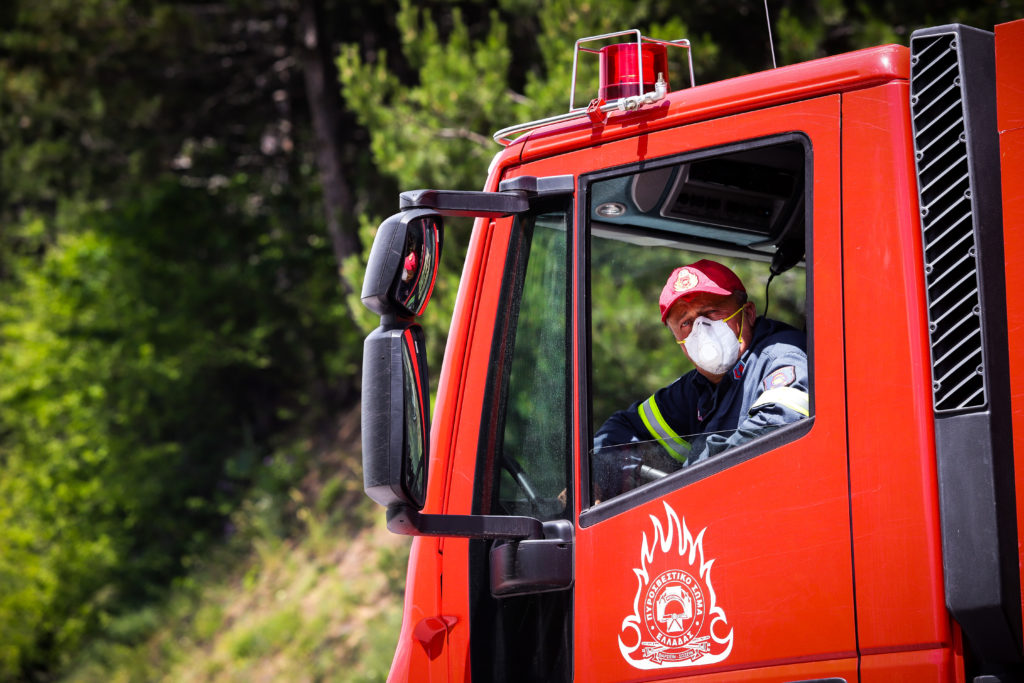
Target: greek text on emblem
{"type": "Point", "coordinates": [676, 621]}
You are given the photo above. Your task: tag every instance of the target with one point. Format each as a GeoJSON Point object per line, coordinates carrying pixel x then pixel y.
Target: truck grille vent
{"type": "Point", "coordinates": [947, 224]}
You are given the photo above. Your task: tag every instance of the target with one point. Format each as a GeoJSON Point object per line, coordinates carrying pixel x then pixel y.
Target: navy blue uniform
{"type": "Point", "coordinates": [693, 419]}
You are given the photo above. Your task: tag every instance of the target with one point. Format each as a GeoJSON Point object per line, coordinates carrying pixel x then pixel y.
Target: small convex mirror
{"type": "Point", "coordinates": [403, 262]}
{"type": "Point", "coordinates": [396, 415]}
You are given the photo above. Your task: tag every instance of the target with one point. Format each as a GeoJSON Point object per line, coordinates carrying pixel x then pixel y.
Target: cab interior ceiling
{"type": "Point", "coordinates": [748, 203]}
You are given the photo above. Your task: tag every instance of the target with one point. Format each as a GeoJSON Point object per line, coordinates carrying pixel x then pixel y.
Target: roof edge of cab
{"type": "Point", "coordinates": [828, 75]}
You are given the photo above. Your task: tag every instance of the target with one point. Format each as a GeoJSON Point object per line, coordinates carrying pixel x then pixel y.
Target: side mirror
{"type": "Point", "coordinates": [403, 263]}
{"type": "Point", "coordinates": [399, 280]}
{"type": "Point", "coordinates": [396, 416]}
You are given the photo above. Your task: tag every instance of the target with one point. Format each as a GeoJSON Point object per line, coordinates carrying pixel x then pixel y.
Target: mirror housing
{"type": "Point", "coordinates": [402, 267]}
{"type": "Point", "coordinates": [395, 451]}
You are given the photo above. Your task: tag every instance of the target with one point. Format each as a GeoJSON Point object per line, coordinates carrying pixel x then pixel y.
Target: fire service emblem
{"type": "Point", "coordinates": [686, 280]}
{"type": "Point", "coordinates": [676, 621]}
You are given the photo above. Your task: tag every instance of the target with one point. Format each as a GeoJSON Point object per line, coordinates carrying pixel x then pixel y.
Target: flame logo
{"type": "Point", "coordinates": [676, 621]}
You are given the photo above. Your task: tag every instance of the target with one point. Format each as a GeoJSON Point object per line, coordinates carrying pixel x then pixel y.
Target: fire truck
{"type": "Point", "coordinates": [879, 537]}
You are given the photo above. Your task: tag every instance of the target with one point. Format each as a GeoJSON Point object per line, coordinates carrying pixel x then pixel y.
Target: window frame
{"type": "Point", "coordinates": [591, 514]}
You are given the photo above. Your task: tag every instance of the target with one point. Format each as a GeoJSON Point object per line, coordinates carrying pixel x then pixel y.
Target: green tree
{"type": "Point", "coordinates": [170, 298]}
{"type": "Point", "coordinates": [146, 364]}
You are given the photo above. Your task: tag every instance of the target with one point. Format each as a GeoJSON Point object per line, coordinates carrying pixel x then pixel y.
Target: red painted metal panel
{"type": "Point", "coordinates": [422, 600]}
{"type": "Point", "coordinates": [840, 73]}
{"type": "Point", "coordinates": [1010, 106]}
{"type": "Point", "coordinates": [1010, 75]}
{"type": "Point", "coordinates": [493, 239]}
{"type": "Point", "coordinates": [897, 548]}
{"type": "Point", "coordinates": [843, 669]}
{"type": "Point", "coordinates": [1011, 145]}
{"type": "Point", "coordinates": [777, 526]}
{"type": "Point", "coordinates": [451, 385]}
{"type": "Point", "coordinates": [917, 665]}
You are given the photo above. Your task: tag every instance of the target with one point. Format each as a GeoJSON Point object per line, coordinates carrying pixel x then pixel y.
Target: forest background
{"type": "Point", "coordinates": [188, 191]}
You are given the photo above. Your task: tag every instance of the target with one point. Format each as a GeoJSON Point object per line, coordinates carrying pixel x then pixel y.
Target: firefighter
{"type": "Point", "coordinates": [750, 377]}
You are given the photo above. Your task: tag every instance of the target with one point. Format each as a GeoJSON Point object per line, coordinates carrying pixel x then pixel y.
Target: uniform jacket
{"type": "Point", "coordinates": [695, 419]}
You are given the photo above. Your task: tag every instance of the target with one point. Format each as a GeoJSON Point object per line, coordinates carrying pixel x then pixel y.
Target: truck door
{"type": "Point", "coordinates": [523, 465]}
{"type": "Point", "coordinates": [740, 562]}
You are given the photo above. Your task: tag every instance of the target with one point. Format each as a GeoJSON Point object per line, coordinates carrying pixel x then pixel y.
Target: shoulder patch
{"type": "Point", "coordinates": [737, 370]}
{"type": "Point", "coordinates": [782, 377]}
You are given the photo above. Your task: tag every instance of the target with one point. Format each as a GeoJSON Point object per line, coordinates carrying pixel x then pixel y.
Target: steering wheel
{"type": "Point", "coordinates": [520, 478]}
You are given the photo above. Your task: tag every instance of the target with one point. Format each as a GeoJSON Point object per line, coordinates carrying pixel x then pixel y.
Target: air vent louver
{"type": "Point", "coordinates": [948, 224]}
{"type": "Point", "coordinates": [956, 145]}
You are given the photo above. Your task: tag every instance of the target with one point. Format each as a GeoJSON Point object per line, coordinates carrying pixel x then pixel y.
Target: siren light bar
{"type": "Point", "coordinates": [623, 79]}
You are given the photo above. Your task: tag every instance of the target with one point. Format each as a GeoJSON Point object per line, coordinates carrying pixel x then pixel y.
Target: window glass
{"type": "Point", "coordinates": [531, 466]}
{"type": "Point", "coordinates": [652, 413]}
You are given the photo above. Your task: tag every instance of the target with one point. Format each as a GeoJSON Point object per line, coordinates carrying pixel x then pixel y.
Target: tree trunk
{"type": "Point", "coordinates": [324, 98]}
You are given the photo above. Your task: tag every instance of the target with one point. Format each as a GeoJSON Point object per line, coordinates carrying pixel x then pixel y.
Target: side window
{"type": "Point", "coordinates": [525, 455]}
{"type": "Point", "coordinates": [652, 234]}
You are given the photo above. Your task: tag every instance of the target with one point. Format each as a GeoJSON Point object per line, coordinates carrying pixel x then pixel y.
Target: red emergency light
{"type": "Point", "coordinates": [631, 75]}
{"type": "Point", "coordinates": [620, 69]}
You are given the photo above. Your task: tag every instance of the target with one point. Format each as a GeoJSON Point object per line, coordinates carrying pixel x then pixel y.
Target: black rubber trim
{"type": "Point", "coordinates": [465, 202]}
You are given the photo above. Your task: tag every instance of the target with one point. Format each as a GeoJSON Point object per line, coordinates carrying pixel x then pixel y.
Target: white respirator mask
{"type": "Point", "coordinates": [712, 346]}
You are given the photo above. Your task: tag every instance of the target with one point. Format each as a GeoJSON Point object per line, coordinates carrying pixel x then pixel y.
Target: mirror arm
{"type": "Point", "coordinates": [465, 203]}
{"type": "Point", "coordinates": [403, 519]}
{"type": "Point", "coordinates": [514, 196]}
{"type": "Point", "coordinates": [394, 321]}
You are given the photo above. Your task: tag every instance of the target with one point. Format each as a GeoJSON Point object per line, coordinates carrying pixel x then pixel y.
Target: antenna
{"type": "Point", "coordinates": [771, 43]}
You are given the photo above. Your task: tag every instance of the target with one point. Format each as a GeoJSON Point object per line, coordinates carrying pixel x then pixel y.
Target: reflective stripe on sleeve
{"type": "Point", "coordinates": [790, 397]}
{"type": "Point", "coordinates": [676, 446]}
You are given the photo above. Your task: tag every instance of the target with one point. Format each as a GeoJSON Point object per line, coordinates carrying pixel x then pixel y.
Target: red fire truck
{"type": "Point", "coordinates": [877, 539]}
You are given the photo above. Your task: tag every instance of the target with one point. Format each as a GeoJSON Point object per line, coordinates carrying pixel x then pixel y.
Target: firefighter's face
{"type": "Point", "coordinates": [713, 307]}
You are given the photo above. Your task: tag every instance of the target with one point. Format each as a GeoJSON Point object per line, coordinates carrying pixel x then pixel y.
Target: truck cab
{"type": "Point", "coordinates": [873, 539]}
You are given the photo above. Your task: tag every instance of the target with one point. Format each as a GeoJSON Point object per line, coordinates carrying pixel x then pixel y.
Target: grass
{"type": "Point", "coordinates": [323, 610]}
{"type": "Point", "coordinates": [319, 603]}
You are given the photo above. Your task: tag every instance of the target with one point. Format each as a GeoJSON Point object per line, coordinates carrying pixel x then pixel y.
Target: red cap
{"type": "Point", "coordinates": [702, 276]}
